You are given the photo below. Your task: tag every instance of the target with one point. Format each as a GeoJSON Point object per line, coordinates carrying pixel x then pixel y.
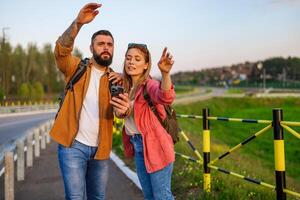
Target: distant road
{"type": "Point", "coordinates": [200, 96]}
{"type": "Point", "coordinates": [13, 126]}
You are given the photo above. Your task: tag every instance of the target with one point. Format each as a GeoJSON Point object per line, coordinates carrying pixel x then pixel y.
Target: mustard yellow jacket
{"type": "Point", "coordinates": [65, 127]}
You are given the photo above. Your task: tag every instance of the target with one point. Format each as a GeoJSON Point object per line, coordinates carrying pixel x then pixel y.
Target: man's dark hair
{"type": "Point", "coordinates": [101, 32]}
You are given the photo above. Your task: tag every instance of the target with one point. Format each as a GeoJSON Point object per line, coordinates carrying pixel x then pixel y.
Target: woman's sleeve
{"type": "Point", "coordinates": [158, 95]}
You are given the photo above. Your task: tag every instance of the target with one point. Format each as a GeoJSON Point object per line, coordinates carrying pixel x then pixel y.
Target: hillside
{"type": "Point", "coordinates": [277, 72]}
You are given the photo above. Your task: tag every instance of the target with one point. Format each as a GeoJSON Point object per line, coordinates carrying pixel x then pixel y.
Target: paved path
{"type": "Point", "coordinates": [199, 96]}
{"type": "Point", "coordinates": [43, 181]}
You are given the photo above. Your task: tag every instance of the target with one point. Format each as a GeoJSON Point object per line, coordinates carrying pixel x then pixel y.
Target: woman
{"type": "Point", "coordinates": [143, 136]}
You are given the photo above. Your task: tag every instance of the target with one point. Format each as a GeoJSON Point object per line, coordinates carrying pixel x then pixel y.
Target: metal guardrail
{"type": "Point", "coordinates": [16, 107]}
{"type": "Point", "coordinates": [31, 143]}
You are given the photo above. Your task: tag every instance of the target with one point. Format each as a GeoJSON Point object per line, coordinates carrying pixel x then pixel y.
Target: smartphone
{"type": "Point", "coordinates": [115, 90]}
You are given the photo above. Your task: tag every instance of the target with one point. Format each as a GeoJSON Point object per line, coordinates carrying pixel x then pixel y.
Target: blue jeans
{"type": "Point", "coordinates": [83, 176]}
{"type": "Point", "coordinates": [157, 185]}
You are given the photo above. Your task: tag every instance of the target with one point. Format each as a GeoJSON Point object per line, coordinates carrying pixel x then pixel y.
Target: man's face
{"type": "Point", "coordinates": [102, 49]}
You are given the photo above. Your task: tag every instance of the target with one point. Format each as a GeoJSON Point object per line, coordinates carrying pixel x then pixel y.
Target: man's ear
{"type": "Point", "coordinates": [91, 48]}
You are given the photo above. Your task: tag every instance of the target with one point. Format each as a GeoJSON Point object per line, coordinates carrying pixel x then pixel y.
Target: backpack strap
{"type": "Point", "coordinates": [151, 105]}
{"type": "Point", "coordinates": [81, 69]}
{"type": "Point", "coordinates": [110, 82]}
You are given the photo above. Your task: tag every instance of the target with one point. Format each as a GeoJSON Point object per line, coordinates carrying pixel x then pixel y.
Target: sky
{"type": "Point", "coordinates": [199, 34]}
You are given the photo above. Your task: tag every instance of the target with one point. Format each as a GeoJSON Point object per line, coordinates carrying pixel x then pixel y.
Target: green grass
{"type": "Point", "coordinates": [235, 91]}
{"type": "Point", "coordinates": [255, 159]}
{"type": "Point", "coordinates": [183, 89]}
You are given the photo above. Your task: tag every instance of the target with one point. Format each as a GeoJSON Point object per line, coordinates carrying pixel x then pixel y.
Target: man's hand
{"type": "Point", "coordinates": [166, 62]}
{"type": "Point", "coordinates": [88, 13]}
{"type": "Point", "coordinates": [121, 105]}
{"type": "Point", "coordinates": [115, 78]}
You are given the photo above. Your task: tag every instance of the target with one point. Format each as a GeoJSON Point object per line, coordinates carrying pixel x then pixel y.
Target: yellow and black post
{"type": "Point", "coordinates": [279, 154]}
{"type": "Point", "coordinates": [206, 151]}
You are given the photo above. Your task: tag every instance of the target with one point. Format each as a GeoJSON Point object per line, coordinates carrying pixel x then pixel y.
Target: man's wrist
{"type": "Point", "coordinates": [77, 23]}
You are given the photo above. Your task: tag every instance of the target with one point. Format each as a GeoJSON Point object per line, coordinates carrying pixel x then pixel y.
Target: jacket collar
{"type": "Point", "coordinates": [142, 86]}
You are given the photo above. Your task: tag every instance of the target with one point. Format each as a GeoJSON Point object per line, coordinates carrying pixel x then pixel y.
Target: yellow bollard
{"type": "Point", "coordinates": [279, 154]}
{"type": "Point", "coordinates": [206, 151]}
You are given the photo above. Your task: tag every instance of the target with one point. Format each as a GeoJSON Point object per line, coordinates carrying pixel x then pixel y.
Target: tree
{"type": "Point", "coordinates": [18, 67]}
{"type": "Point", "coordinates": [1, 94]}
{"type": "Point", "coordinates": [5, 62]}
{"type": "Point", "coordinates": [50, 67]}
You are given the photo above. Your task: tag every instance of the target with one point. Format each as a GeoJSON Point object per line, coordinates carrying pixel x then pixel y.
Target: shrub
{"type": "Point", "coordinates": [37, 91]}
{"type": "Point", "coordinates": [24, 91]}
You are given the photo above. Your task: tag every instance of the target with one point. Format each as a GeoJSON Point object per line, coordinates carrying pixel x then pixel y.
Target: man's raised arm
{"type": "Point", "coordinates": [86, 15]}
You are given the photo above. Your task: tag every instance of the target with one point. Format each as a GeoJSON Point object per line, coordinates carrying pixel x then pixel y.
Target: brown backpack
{"type": "Point", "coordinates": [170, 122]}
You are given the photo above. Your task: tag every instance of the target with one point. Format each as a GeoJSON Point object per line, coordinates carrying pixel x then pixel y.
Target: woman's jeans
{"type": "Point", "coordinates": [84, 177]}
{"type": "Point", "coordinates": [157, 185]}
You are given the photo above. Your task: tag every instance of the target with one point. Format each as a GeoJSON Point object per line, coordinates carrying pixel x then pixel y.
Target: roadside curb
{"type": "Point", "coordinates": [128, 172]}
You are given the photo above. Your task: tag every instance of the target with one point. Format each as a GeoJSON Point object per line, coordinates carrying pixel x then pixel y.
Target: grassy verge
{"type": "Point", "coordinates": [253, 160]}
{"type": "Point", "coordinates": [235, 91]}
{"type": "Point", "coordinates": [208, 90]}
{"type": "Point", "coordinates": [184, 89]}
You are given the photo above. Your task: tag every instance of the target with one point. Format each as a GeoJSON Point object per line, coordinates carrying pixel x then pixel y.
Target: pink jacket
{"type": "Point", "coordinates": [157, 143]}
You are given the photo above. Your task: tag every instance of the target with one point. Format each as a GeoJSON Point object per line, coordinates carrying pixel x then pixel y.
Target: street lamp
{"type": "Point", "coordinates": [260, 66]}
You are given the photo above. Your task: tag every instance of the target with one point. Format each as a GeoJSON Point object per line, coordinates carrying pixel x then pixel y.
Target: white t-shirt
{"type": "Point", "coordinates": [89, 116]}
{"type": "Point", "coordinates": [130, 126]}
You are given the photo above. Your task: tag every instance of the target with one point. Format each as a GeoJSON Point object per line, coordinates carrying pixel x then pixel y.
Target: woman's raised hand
{"type": "Point", "coordinates": [166, 62]}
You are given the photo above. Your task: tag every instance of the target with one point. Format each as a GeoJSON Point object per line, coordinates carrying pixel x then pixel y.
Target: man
{"type": "Point", "coordinates": [83, 127]}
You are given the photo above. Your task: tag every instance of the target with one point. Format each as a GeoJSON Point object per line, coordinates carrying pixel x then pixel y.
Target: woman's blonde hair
{"type": "Point", "coordinates": [127, 78]}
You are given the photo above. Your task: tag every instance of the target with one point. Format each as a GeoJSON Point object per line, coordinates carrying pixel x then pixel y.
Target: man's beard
{"type": "Point", "coordinates": [102, 62]}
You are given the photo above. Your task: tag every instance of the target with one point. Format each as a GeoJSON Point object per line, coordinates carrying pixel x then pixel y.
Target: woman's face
{"type": "Point", "coordinates": [135, 63]}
